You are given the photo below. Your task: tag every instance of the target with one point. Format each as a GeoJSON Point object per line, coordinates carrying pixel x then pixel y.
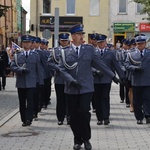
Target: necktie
{"type": "Point", "coordinates": [101, 52]}
{"type": "Point", "coordinates": [141, 53]}
{"type": "Point", "coordinates": [26, 55]}
{"type": "Point", "coordinates": [77, 52]}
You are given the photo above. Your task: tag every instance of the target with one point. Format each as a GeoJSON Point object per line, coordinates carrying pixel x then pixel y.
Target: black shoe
{"type": "Point", "coordinates": [87, 145]}
{"type": "Point", "coordinates": [45, 106]}
{"type": "Point", "coordinates": [77, 147]}
{"type": "Point", "coordinates": [60, 122]}
{"type": "Point", "coordinates": [139, 121]}
{"type": "Point", "coordinates": [35, 116]}
{"type": "Point", "coordinates": [127, 105]}
{"type": "Point", "coordinates": [106, 122]}
{"type": "Point", "coordinates": [28, 123]}
{"type": "Point", "coordinates": [24, 124]}
{"type": "Point", "coordinates": [99, 122]}
{"type": "Point", "coordinates": [147, 120]}
{"type": "Point", "coordinates": [3, 87]}
{"type": "Point", "coordinates": [122, 101]}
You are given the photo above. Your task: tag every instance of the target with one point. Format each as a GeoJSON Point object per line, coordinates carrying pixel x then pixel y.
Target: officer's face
{"type": "Point", "coordinates": [43, 46]}
{"type": "Point", "coordinates": [64, 43]}
{"type": "Point", "coordinates": [101, 44]}
{"type": "Point", "coordinates": [94, 42]}
{"type": "Point", "coordinates": [26, 45]}
{"type": "Point", "coordinates": [126, 47]}
{"type": "Point", "coordinates": [37, 45]}
{"type": "Point", "coordinates": [141, 46]}
{"type": "Point", "coordinates": [77, 38]}
{"type": "Point", "coordinates": [32, 45]}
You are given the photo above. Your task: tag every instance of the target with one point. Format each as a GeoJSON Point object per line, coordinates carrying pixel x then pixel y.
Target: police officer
{"type": "Point", "coordinates": [75, 67]}
{"type": "Point", "coordinates": [138, 62]}
{"type": "Point", "coordinates": [26, 65]}
{"type": "Point", "coordinates": [102, 84]}
{"type": "Point", "coordinates": [129, 77]}
{"type": "Point", "coordinates": [93, 41]}
{"type": "Point", "coordinates": [48, 73]}
{"type": "Point", "coordinates": [61, 109]}
{"type": "Point", "coordinates": [121, 57]}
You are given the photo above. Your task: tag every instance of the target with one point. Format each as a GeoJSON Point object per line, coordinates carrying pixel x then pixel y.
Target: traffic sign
{"type": "Point", "coordinates": [47, 34]}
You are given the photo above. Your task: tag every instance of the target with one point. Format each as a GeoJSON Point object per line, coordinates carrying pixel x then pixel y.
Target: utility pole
{"type": "Point", "coordinates": [56, 26]}
{"type": "Point", "coordinates": [36, 26]}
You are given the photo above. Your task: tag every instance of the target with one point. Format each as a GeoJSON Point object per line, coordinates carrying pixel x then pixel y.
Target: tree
{"type": "Point", "coordinates": [146, 7]}
{"type": "Point", "coordinates": [3, 10]}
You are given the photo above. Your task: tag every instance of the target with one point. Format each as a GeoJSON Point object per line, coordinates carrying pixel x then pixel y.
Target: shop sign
{"type": "Point", "coordinates": [144, 27]}
{"type": "Point", "coordinates": [47, 22]}
{"type": "Point", "coordinates": [124, 27]}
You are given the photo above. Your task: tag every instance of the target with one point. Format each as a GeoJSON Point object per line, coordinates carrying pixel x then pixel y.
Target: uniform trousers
{"type": "Point", "coordinates": [61, 104]}
{"type": "Point", "coordinates": [46, 91]}
{"type": "Point", "coordinates": [26, 96]}
{"type": "Point", "coordinates": [36, 100]}
{"type": "Point", "coordinates": [123, 91]}
{"type": "Point", "coordinates": [102, 97]}
{"type": "Point", "coordinates": [79, 107]}
{"type": "Point", "coordinates": [141, 102]}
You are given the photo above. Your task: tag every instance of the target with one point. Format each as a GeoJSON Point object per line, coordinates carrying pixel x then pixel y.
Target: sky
{"type": "Point", "coordinates": [26, 6]}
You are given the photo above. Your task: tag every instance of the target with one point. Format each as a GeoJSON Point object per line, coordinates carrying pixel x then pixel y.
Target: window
{"type": "Point", "coordinates": [46, 6]}
{"type": "Point", "coordinates": [139, 8]}
{"type": "Point", "coordinates": [94, 7]}
{"type": "Point", "coordinates": [122, 6]}
{"type": "Point", "coordinates": [70, 6]}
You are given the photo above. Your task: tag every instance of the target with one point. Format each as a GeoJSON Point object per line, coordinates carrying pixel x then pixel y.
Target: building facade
{"type": "Point", "coordinates": [126, 20]}
{"type": "Point", "coordinates": [95, 16]}
{"type": "Point", "coordinates": [13, 24]}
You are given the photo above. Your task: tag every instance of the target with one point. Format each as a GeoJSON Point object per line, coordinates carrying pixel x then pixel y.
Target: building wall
{"type": "Point", "coordinates": [92, 24]}
{"type": "Point", "coordinates": [130, 17]}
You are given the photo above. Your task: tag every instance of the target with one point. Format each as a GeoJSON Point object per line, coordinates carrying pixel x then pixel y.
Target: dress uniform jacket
{"type": "Point", "coordinates": [33, 65]}
{"type": "Point", "coordinates": [82, 72]}
{"type": "Point", "coordinates": [109, 59]}
{"type": "Point", "coordinates": [53, 62]}
{"type": "Point", "coordinates": [135, 60]}
{"type": "Point", "coordinates": [41, 60]}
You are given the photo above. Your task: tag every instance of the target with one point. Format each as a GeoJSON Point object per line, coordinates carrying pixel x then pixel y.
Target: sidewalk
{"type": "Point", "coordinates": [8, 100]}
{"type": "Point", "coordinates": [123, 133]}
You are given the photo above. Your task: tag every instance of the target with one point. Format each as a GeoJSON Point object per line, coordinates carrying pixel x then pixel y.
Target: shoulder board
{"type": "Point", "coordinates": [89, 45]}
{"type": "Point", "coordinates": [65, 47]}
{"type": "Point", "coordinates": [35, 52]}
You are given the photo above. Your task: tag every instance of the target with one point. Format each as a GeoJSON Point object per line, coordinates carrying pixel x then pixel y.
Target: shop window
{"type": "Point", "coordinates": [46, 6]}
{"type": "Point", "coordinates": [122, 6]}
{"type": "Point", "coordinates": [94, 7]}
{"type": "Point", "coordinates": [71, 7]}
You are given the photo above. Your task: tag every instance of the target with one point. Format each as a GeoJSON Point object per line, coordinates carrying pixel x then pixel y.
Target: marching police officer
{"type": "Point", "coordinates": [102, 82]}
{"type": "Point", "coordinates": [93, 41]}
{"type": "Point", "coordinates": [121, 57]}
{"type": "Point", "coordinates": [48, 73]}
{"type": "Point", "coordinates": [138, 62]}
{"type": "Point", "coordinates": [61, 109]}
{"type": "Point", "coordinates": [75, 67]}
{"type": "Point", "coordinates": [26, 65]}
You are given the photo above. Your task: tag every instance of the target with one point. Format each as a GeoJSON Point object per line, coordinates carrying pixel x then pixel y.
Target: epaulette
{"type": "Point", "coordinates": [66, 47]}
{"type": "Point", "coordinates": [35, 52]}
{"type": "Point", "coordinates": [90, 45]}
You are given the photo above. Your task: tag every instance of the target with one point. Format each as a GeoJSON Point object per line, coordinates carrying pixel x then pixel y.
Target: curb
{"type": "Point", "coordinates": [8, 117]}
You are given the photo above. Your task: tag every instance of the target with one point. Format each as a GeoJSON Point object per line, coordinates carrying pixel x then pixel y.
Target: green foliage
{"type": "Point", "coordinates": [3, 10]}
{"type": "Point", "coordinates": [146, 8]}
